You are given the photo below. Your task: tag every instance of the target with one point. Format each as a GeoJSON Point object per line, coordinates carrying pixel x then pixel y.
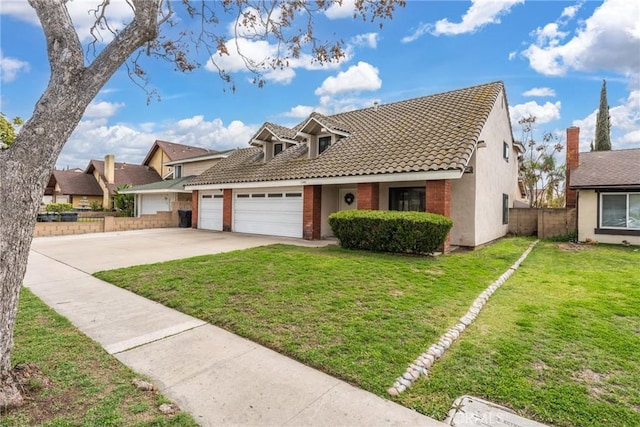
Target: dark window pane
{"type": "Point", "coordinates": [407, 199]}
{"type": "Point", "coordinates": [323, 143]}
{"type": "Point", "coordinates": [277, 149]}
{"type": "Point", "coordinates": [614, 210]}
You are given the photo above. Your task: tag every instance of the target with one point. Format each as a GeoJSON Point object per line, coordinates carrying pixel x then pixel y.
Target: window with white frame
{"type": "Point", "coordinates": [620, 210]}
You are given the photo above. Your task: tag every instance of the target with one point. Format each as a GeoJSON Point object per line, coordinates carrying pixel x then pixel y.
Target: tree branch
{"type": "Point", "coordinates": [63, 45]}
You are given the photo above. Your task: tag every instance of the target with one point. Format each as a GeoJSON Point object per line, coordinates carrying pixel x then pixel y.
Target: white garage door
{"type": "Point", "coordinates": [152, 203]}
{"type": "Point", "coordinates": [270, 212]}
{"type": "Point", "coordinates": [210, 207]}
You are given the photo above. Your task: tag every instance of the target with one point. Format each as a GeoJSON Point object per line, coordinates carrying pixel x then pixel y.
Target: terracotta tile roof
{"type": "Point", "coordinates": [279, 131]}
{"type": "Point", "coordinates": [77, 183]}
{"type": "Point", "coordinates": [126, 173]}
{"type": "Point", "coordinates": [431, 133]}
{"type": "Point", "coordinates": [616, 168]}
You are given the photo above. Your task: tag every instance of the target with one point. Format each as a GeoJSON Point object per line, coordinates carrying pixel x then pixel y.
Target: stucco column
{"type": "Point", "coordinates": [195, 195]}
{"type": "Point", "coordinates": [438, 195]}
{"type": "Point", "coordinates": [311, 212]}
{"type": "Point", "coordinates": [227, 208]}
{"type": "Point", "coordinates": [368, 196]}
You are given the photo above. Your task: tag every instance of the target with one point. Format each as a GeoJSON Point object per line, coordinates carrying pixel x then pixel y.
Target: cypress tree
{"type": "Point", "coordinates": [603, 127]}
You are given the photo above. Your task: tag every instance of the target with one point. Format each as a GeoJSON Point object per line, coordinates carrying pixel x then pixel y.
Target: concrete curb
{"type": "Point", "coordinates": [426, 360]}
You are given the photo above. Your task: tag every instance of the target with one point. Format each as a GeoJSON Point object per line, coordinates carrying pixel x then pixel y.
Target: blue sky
{"type": "Point", "coordinates": [551, 55]}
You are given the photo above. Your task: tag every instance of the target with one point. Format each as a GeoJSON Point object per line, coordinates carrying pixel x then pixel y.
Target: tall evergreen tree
{"type": "Point", "coordinates": [603, 127]}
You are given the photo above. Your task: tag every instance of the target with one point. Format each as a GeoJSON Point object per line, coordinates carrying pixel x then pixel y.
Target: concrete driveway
{"type": "Point", "coordinates": [105, 251]}
{"type": "Point", "coordinates": [218, 377]}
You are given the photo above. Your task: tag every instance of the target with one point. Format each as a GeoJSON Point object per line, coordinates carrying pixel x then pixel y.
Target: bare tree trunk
{"type": "Point", "coordinates": [26, 166]}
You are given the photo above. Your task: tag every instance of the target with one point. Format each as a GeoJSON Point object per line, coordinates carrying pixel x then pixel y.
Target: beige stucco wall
{"type": "Point", "coordinates": [463, 207]}
{"type": "Point", "coordinates": [196, 168]}
{"type": "Point", "coordinates": [494, 175]}
{"type": "Point", "coordinates": [156, 162]}
{"type": "Point", "coordinates": [588, 221]}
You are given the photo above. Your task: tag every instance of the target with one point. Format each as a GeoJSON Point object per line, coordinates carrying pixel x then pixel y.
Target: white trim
{"type": "Point", "coordinates": [198, 158]}
{"type": "Point", "coordinates": [165, 190]}
{"type": "Point", "coordinates": [398, 177]}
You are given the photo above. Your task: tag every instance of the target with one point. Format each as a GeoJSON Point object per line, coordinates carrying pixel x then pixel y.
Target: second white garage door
{"type": "Point", "coordinates": [210, 208]}
{"type": "Point", "coordinates": [274, 213]}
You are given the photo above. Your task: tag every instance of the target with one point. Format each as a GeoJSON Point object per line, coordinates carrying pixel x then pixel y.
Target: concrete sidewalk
{"type": "Point", "coordinates": [219, 378]}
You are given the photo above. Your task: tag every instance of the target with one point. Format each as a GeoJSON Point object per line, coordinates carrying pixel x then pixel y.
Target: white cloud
{"type": "Point", "coordinates": [570, 11]}
{"type": "Point", "coordinates": [512, 55]}
{"type": "Point", "coordinates": [625, 124]}
{"type": "Point", "coordinates": [94, 138]}
{"type": "Point", "coordinates": [299, 111]}
{"type": "Point", "coordinates": [608, 40]}
{"type": "Point", "coordinates": [102, 109]}
{"type": "Point", "coordinates": [339, 11]}
{"type": "Point", "coordinates": [367, 39]}
{"type": "Point", "coordinates": [119, 13]}
{"type": "Point", "coordinates": [540, 91]}
{"type": "Point", "coordinates": [479, 14]}
{"type": "Point", "coordinates": [545, 113]}
{"type": "Point", "coordinates": [10, 67]}
{"type": "Point", "coordinates": [358, 78]}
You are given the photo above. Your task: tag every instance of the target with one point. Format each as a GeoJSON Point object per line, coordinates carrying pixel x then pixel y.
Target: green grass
{"type": "Point", "coordinates": [80, 385]}
{"type": "Point", "coordinates": [356, 315]}
{"type": "Point", "coordinates": [559, 342]}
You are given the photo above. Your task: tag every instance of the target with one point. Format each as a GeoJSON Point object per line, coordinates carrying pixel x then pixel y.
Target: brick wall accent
{"type": "Point", "coordinates": [227, 209]}
{"type": "Point", "coordinates": [368, 196]}
{"type": "Point", "coordinates": [438, 195]}
{"type": "Point", "coordinates": [195, 199]}
{"type": "Point", "coordinates": [572, 162]}
{"type": "Point", "coordinates": [311, 212]}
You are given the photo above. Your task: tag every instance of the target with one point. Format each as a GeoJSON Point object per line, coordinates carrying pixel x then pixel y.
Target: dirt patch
{"type": "Point", "coordinates": [588, 376]}
{"type": "Point", "coordinates": [396, 292]}
{"type": "Point", "coordinates": [539, 367]}
{"type": "Point", "coordinates": [574, 247]}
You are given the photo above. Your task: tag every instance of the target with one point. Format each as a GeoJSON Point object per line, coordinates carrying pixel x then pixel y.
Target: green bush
{"type": "Point", "coordinates": [390, 231]}
{"type": "Point", "coordinates": [59, 207]}
{"type": "Point", "coordinates": [95, 206]}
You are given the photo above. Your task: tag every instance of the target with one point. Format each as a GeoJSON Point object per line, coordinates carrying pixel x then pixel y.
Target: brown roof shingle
{"type": "Point", "coordinates": [431, 133]}
{"type": "Point", "coordinates": [599, 169]}
{"type": "Point", "coordinates": [176, 151]}
{"type": "Point", "coordinates": [77, 183]}
{"type": "Point", "coordinates": [126, 173]}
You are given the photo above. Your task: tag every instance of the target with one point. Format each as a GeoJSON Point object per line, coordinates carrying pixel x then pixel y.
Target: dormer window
{"type": "Point", "coordinates": [277, 148]}
{"type": "Point", "coordinates": [324, 142]}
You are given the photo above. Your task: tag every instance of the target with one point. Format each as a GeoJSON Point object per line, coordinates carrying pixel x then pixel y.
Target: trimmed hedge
{"type": "Point", "coordinates": [390, 231]}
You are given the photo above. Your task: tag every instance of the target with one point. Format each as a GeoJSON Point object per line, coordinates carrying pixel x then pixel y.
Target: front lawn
{"type": "Point", "coordinates": [559, 342]}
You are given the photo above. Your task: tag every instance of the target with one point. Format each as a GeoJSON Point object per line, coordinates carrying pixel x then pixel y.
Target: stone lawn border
{"type": "Point", "coordinates": [426, 360]}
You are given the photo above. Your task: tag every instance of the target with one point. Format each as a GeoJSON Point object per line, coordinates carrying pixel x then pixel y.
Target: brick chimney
{"type": "Point", "coordinates": [110, 168]}
{"type": "Point", "coordinates": [572, 162]}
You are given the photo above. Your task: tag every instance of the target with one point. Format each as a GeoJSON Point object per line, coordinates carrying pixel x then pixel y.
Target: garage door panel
{"type": "Point", "coordinates": [210, 208]}
{"type": "Point", "coordinates": [275, 213]}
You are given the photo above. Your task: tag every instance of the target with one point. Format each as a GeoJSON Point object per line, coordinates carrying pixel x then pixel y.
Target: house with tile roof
{"type": "Point", "coordinates": [75, 187]}
{"type": "Point", "coordinates": [605, 188]}
{"type": "Point", "coordinates": [451, 153]}
{"type": "Point", "coordinates": [163, 195]}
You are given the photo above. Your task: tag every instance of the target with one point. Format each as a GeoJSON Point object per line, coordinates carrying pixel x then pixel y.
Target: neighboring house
{"type": "Point", "coordinates": [109, 175]}
{"type": "Point", "coordinates": [75, 187]}
{"type": "Point", "coordinates": [452, 153]}
{"type": "Point", "coordinates": [162, 153]}
{"type": "Point", "coordinates": [160, 196]}
{"type": "Point", "coordinates": [605, 187]}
